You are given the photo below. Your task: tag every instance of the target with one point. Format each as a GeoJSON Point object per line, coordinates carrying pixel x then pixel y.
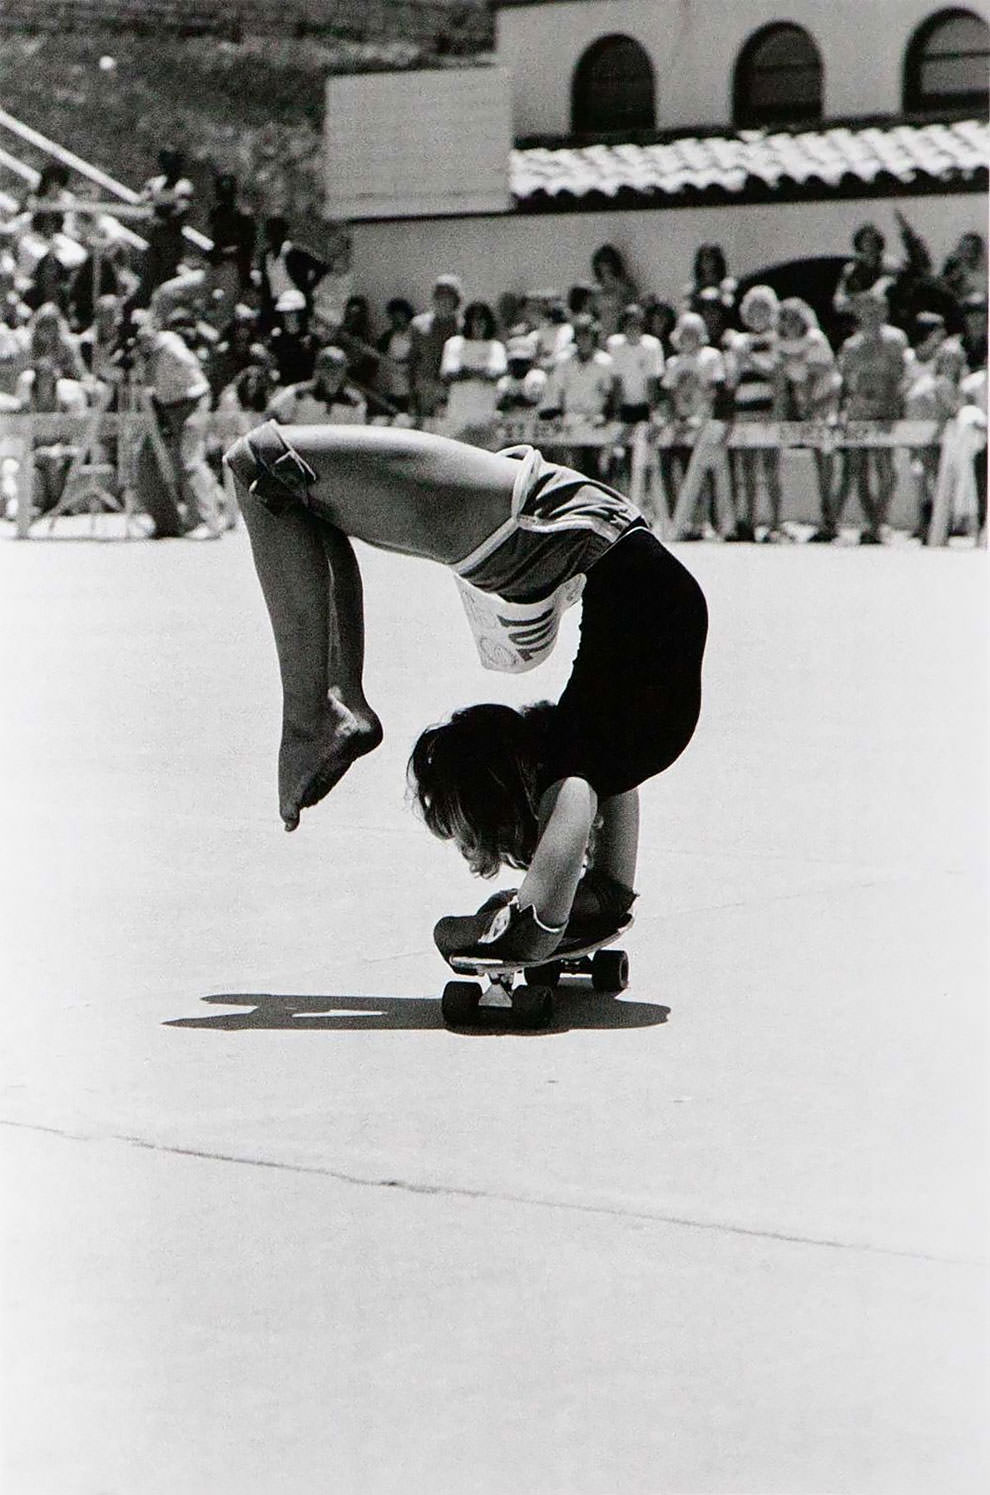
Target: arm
{"type": "Point", "coordinates": [567, 813]}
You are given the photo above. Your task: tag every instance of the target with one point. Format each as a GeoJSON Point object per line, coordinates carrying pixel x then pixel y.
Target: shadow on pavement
{"type": "Point", "coordinates": [574, 1009]}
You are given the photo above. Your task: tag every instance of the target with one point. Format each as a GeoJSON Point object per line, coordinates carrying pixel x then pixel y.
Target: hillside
{"type": "Point", "coordinates": [253, 107]}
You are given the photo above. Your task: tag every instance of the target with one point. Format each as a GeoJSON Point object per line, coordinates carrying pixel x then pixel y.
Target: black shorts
{"type": "Point", "coordinates": [634, 415]}
{"type": "Point", "coordinates": [633, 700]}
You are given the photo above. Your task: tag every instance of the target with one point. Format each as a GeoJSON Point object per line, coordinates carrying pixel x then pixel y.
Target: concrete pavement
{"type": "Point", "coordinates": [269, 1227]}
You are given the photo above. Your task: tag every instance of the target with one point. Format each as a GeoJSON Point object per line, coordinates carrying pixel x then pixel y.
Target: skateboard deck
{"type": "Point", "coordinates": [508, 1001]}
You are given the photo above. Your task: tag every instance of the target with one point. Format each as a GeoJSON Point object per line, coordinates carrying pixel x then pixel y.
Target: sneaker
{"type": "Point", "coordinates": [742, 532]}
{"type": "Point", "coordinates": [870, 537]}
{"type": "Point", "coordinates": [823, 536]}
{"type": "Point", "coordinates": [692, 534]}
{"type": "Point", "coordinates": [202, 531]}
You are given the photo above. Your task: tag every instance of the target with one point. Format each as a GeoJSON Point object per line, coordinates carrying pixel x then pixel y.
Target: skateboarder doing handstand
{"type": "Point", "coordinates": [552, 789]}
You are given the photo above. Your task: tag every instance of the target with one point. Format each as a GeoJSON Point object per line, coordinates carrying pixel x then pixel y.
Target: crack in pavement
{"type": "Point", "coordinates": [499, 1196]}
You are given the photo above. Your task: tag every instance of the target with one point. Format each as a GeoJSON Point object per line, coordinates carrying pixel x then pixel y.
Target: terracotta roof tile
{"type": "Point", "coordinates": [914, 155]}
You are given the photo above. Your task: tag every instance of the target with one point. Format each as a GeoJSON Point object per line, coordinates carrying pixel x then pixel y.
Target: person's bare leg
{"type": "Point", "coordinates": [775, 494]}
{"type": "Point", "coordinates": [326, 724]}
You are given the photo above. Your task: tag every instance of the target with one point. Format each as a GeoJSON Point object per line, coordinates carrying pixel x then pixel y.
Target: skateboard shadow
{"type": "Point", "coordinates": [271, 1011]}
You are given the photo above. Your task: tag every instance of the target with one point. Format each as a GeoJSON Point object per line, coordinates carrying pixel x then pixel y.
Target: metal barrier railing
{"type": "Point", "coordinates": [710, 446]}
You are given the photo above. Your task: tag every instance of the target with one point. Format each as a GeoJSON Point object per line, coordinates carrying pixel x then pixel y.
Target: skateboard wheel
{"type": "Point", "coordinates": [459, 1003]}
{"type": "Point", "coordinates": [610, 970]}
{"type": "Point", "coordinates": [532, 1006]}
{"type": "Point", "coordinates": [545, 975]}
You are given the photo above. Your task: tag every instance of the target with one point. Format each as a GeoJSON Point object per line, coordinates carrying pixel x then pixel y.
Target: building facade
{"type": "Point", "coordinates": [680, 64]}
{"type": "Point", "coordinates": [657, 125]}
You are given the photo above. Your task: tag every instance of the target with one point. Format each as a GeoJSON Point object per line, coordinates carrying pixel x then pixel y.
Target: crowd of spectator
{"type": "Point", "coordinates": [240, 331]}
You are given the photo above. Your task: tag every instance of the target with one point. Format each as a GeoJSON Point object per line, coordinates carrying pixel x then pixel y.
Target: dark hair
{"type": "Point", "coordinates": [714, 252]}
{"type": "Point", "coordinates": [357, 307]}
{"type": "Point", "coordinates": [579, 297]}
{"type": "Point", "coordinates": [869, 231]}
{"type": "Point", "coordinates": [400, 304]}
{"type": "Point", "coordinates": [475, 780]}
{"type": "Point", "coordinates": [481, 311]}
{"type": "Point", "coordinates": [607, 254]}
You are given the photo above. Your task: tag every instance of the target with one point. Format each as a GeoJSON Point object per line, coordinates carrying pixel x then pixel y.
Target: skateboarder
{"type": "Point", "coordinates": [551, 789]}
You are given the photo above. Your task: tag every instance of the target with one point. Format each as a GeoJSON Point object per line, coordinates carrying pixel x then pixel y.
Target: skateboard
{"type": "Point", "coordinates": [510, 1003]}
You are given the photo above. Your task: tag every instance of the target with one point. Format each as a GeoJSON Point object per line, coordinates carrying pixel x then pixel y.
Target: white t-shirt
{"type": "Point", "coordinates": [472, 400]}
{"type": "Point", "coordinates": [581, 387]}
{"type": "Point", "coordinates": [298, 406]}
{"type": "Point", "coordinates": [692, 377]}
{"type": "Point", "coordinates": [636, 364]}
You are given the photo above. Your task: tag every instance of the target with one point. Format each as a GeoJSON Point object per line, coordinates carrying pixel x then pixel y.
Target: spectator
{"type": "Point", "coordinates": [694, 379]}
{"type": "Point", "coordinates": [472, 363]}
{"type": "Point", "coordinates": [581, 300]}
{"type": "Point", "coordinates": [326, 399]}
{"type": "Point", "coordinates": [235, 349]}
{"type": "Point", "coordinates": [102, 273]}
{"type": "Point", "coordinates": [964, 273]}
{"type": "Point", "coordinates": [583, 385]}
{"type": "Point", "coordinates": [15, 344]}
{"type": "Point", "coordinates": [932, 392]}
{"type": "Point", "coordinates": [354, 335]}
{"type": "Point", "coordinates": [523, 386]}
{"type": "Point", "coordinates": [659, 320]}
{"type": "Point", "coordinates": [100, 342]}
{"type": "Point", "coordinates": [971, 428]}
{"type": "Point", "coordinates": [43, 390]}
{"type": "Point", "coordinates": [50, 338]}
{"type": "Point", "coordinates": [251, 392]}
{"type": "Point", "coordinates": [233, 233]}
{"type": "Point", "coordinates": [869, 267]}
{"type": "Point", "coordinates": [808, 387]}
{"type": "Point", "coordinates": [170, 195]}
{"type": "Point", "coordinates": [614, 288]}
{"type": "Point", "coordinates": [294, 347]}
{"type": "Point", "coordinates": [873, 363]}
{"type": "Point", "coordinates": [550, 331]}
{"type": "Point", "coordinates": [283, 267]}
{"type": "Point", "coordinates": [974, 329]}
{"type": "Point", "coordinates": [395, 347]}
{"type": "Point", "coordinates": [240, 406]}
{"type": "Point", "coordinates": [430, 331]}
{"type": "Point", "coordinates": [637, 357]}
{"type": "Point", "coordinates": [752, 360]}
{"type": "Point", "coordinates": [712, 292]}
{"type": "Point", "coordinates": [180, 391]}
{"type": "Point", "coordinates": [52, 276]}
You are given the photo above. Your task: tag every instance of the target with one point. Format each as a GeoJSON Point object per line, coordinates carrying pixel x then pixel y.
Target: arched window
{"type": "Point", "coordinates": [613, 89]}
{"type": "Point", "coordinates": [946, 66]}
{"type": "Point", "coordinates": [778, 78]}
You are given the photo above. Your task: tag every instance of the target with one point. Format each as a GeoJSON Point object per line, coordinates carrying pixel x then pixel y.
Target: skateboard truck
{"type": "Point", "coordinates": [530, 1003]}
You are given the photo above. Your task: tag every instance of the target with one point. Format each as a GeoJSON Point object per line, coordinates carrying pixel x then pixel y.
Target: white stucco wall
{"type": "Point", "coordinates": [513, 253]}
{"type": "Point", "coordinates": [694, 45]}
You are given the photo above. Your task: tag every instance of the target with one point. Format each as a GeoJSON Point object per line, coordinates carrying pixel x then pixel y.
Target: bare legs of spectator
{"type": "Point", "coordinates": [860, 461]}
{"type": "Point", "coordinates": [842, 492]}
{"type": "Point", "coordinates": [824, 470]}
{"type": "Point", "coordinates": [51, 468]}
{"type": "Point", "coordinates": [924, 475]}
{"type": "Point", "coordinates": [185, 443]}
{"type": "Point", "coordinates": [749, 464]}
{"type": "Point", "coordinates": [309, 575]}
